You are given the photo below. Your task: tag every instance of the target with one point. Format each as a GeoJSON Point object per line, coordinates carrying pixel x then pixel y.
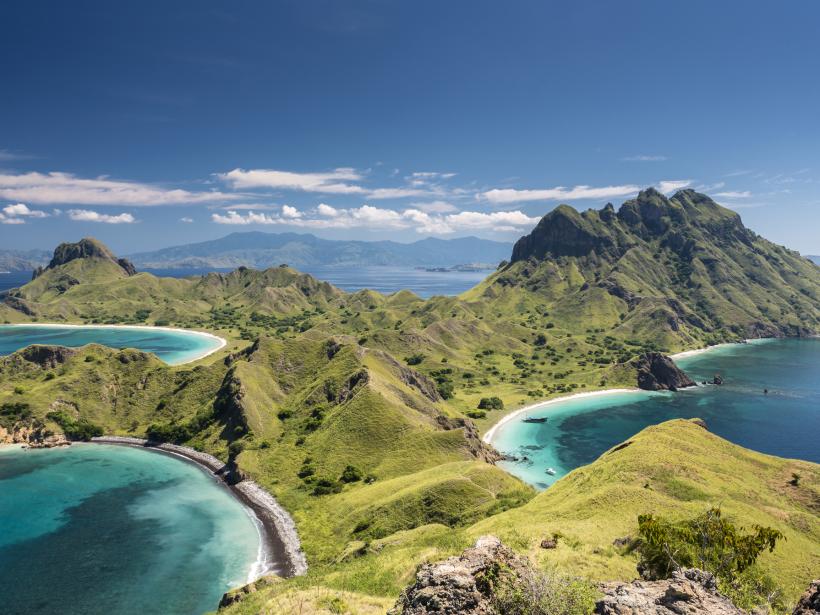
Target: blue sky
{"type": "Point", "coordinates": [157, 123]}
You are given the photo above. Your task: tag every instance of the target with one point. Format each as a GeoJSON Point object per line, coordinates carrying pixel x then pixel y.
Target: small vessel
{"type": "Point", "coordinates": [532, 419]}
{"type": "Point", "coordinates": [550, 471]}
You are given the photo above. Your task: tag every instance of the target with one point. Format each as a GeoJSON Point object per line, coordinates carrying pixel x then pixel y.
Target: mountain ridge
{"type": "Point", "coordinates": [258, 249]}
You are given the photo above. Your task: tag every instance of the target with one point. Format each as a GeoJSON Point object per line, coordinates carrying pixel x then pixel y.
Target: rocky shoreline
{"type": "Point", "coordinates": [283, 553]}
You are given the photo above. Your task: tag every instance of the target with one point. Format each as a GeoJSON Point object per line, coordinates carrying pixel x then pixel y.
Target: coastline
{"type": "Point", "coordinates": [488, 436]}
{"type": "Point", "coordinates": [280, 549]}
{"type": "Point", "coordinates": [221, 341]}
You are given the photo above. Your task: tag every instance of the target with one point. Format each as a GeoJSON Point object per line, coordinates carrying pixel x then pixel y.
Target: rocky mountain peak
{"type": "Point", "coordinates": [87, 247]}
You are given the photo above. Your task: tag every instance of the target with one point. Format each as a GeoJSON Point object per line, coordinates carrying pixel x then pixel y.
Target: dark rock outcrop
{"type": "Point", "coordinates": [47, 357]}
{"type": "Point", "coordinates": [688, 592]}
{"type": "Point", "coordinates": [809, 603]}
{"type": "Point", "coordinates": [85, 248]}
{"type": "Point", "coordinates": [657, 372]}
{"type": "Point", "coordinates": [457, 584]}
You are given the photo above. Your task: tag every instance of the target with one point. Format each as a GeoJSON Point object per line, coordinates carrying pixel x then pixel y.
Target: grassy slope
{"type": "Point", "coordinates": [676, 468]}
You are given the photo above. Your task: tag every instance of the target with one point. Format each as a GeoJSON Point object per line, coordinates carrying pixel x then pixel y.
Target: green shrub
{"type": "Point", "coordinates": [491, 403]}
{"type": "Point", "coordinates": [709, 542]}
{"type": "Point", "coordinates": [75, 429]}
{"type": "Point", "coordinates": [414, 359]}
{"type": "Point", "coordinates": [351, 474]}
{"type": "Point", "coordinates": [445, 389]}
{"type": "Point", "coordinates": [476, 414]}
{"type": "Point", "coordinates": [326, 486]}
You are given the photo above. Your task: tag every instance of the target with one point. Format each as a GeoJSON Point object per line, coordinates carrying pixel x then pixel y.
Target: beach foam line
{"type": "Point", "coordinates": [549, 402]}
{"type": "Point", "coordinates": [221, 341]}
{"type": "Point", "coordinates": [697, 351]}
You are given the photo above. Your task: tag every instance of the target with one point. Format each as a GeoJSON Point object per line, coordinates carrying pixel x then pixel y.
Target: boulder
{"type": "Point", "coordinates": [657, 372]}
{"type": "Point", "coordinates": [688, 592]}
{"type": "Point", "coordinates": [809, 603]}
{"type": "Point", "coordinates": [456, 586]}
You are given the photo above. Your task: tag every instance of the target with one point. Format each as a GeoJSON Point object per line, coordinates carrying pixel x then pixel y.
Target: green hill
{"type": "Point", "coordinates": [676, 469]}
{"type": "Point", "coordinates": [683, 271]}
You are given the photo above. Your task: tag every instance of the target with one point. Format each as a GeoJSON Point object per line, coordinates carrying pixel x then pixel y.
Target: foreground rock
{"type": "Point", "coordinates": [456, 585]}
{"type": "Point", "coordinates": [688, 592]}
{"type": "Point", "coordinates": [657, 372]}
{"type": "Point", "coordinates": [809, 603]}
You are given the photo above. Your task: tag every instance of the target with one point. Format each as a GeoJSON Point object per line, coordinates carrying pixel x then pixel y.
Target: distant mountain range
{"type": "Point", "coordinates": [23, 260]}
{"type": "Point", "coordinates": [261, 250]}
{"type": "Point", "coordinates": [814, 258]}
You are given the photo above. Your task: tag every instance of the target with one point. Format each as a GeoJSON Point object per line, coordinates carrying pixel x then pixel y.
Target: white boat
{"type": "Point", "coordinates": [550, 471]}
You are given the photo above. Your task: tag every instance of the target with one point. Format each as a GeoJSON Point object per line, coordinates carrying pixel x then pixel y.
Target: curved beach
{"type": "Point", "coordinates": [488, 436]}
{"type": "Point", "coordinates": [220, 341]}
{"type": "Point", "coordinates": [280, 549]}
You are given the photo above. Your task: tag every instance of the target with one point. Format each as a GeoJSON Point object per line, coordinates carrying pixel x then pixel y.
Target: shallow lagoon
{"type": "Point", "coordinates": [108, 529]}
{"type": "Point", "coordinates": [784, 422]}
{"type": "Point", "coordinates": [173, 346]}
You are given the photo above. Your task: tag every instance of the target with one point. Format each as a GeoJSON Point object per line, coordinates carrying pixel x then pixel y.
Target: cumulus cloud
{"type": "Point", "coordinates": [290, 212]}
{"type": "Point", "coordinates": [375, 218]}
{"type": "Point", "coordinates": [86, 215]}
{"type": "Point", "coordinates": [186, 219]}
{"type": "Point", "coordinates": [55, 187]}
{"type": "Point", "coordinates": [559, 193]}
{"type": "Point", "coordinates": [23, 211]}
{"type": "Point", "coordinates": [672, 185]}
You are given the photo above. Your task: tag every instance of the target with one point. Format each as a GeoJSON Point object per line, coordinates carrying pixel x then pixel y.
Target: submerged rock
{"type": "Point", "coordinates": [657, 372]}
{"type": "Point", "coordinates": [689, 592]}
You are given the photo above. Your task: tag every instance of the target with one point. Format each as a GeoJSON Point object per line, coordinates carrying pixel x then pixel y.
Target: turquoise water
{"type": "Point", "coordinates": [785, 422]}
{"type": "Point", "coordinates": [173, 347]}
{"type": "Point", "coordinates": [95, 529]}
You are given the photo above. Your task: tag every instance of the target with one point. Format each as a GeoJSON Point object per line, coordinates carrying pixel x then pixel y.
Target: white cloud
{"type": "Point", "coordinates": [44, 188]}
{"type": "Point", "coordinates": [327, 210]}
{"type": "Point", "coordinates": [22, 210]}
{"type": "Point", "coordinates": [290, 212]}
{"type": "Point", "coordinates": [644, 158]}
{"type": "Point", "coordinates": [4, 220]}
{"type": "Point", "coordinates": [438, 207]}
{"type": "Point", "coordinates": [375, 218]}
{"type": "Point", "coordinates": [343, 180]}
{"type": "Point", "coordinates": [334, 182]}
{"type": "Point", "coordinates": [734, 194]}
{"type": "Point", "coordinates": [672, 185]}
{"type": "Point", "coordinates": [559, 193]}
{"type": "Point", "coordinates": [233, 217]}
{"type": "Point", "coordinates": [86, 215]}
{"type": "Point", "coordinates": [186, 220]}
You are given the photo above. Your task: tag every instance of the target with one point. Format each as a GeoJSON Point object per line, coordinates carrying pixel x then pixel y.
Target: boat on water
{"type": "Point", "coordinates": [533, 419]}
{"type": "Point", "coordinates": [550, 471]}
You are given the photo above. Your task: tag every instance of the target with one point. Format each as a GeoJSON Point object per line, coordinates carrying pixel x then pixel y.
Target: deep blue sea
{"type": "Point", "coordinates": [94, 529]}
{"type": "Point", "coordinates": [784, 422]}
{"type": "Point", "coordinates": [382, 279]}
{"type": "Point", "coordinates": [172, 346]}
